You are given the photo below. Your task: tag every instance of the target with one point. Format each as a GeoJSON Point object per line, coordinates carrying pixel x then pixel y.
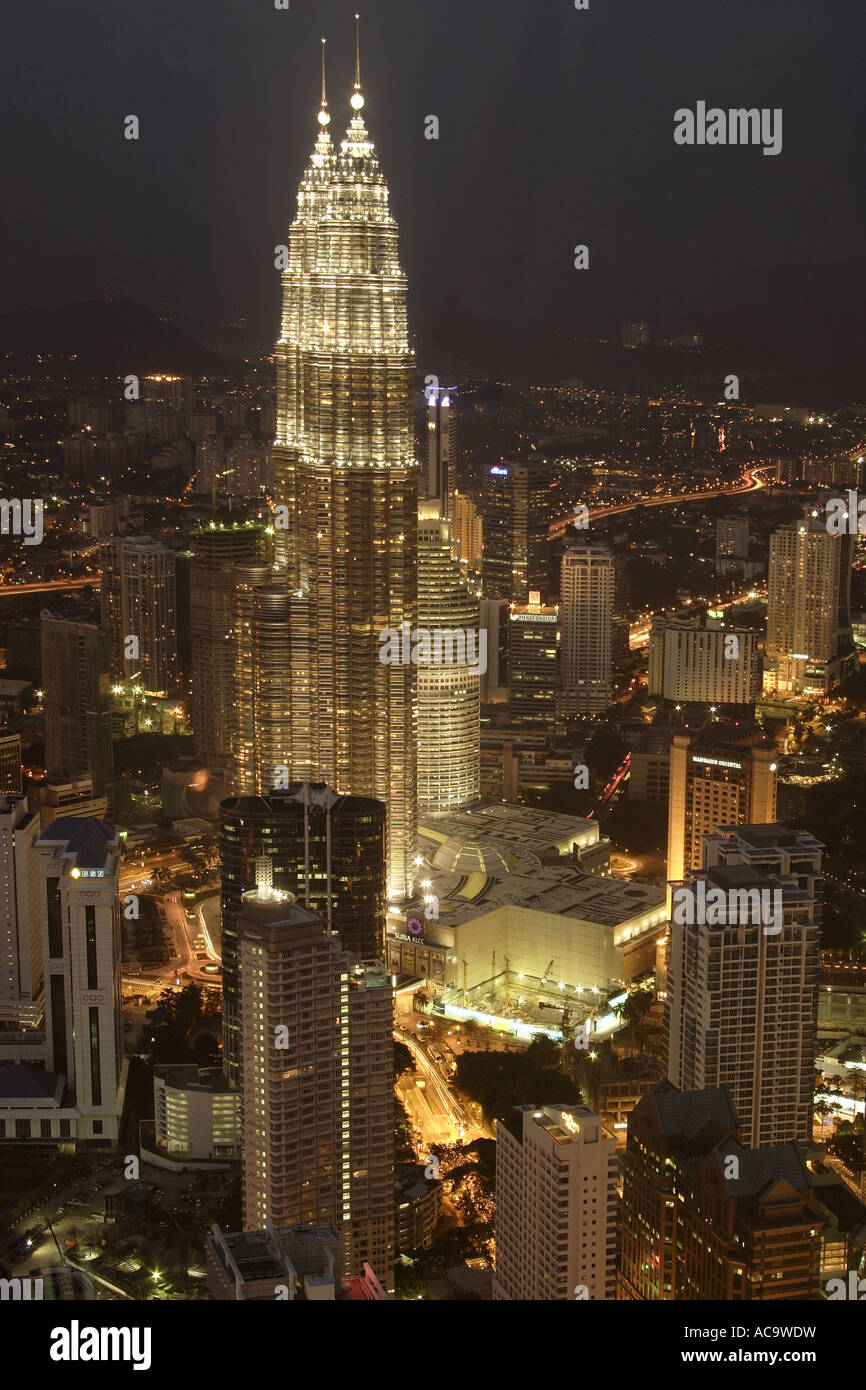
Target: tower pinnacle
{"type": "Point", "coordinates": [356, 101]}
{"type": "Point", "coordinates": [324, 116]}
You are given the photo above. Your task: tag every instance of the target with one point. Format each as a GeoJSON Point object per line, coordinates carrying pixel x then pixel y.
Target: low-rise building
{"type": "Point", "coordinates": [287, 1264]}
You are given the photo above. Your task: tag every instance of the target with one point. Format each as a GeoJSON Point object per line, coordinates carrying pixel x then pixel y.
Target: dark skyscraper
{"type": "Point", "coordinates": [327, 850]}
{"type": "Point", "coordinates": [516, 517]}
{"type": "Point", "coordinates": [75, 673]}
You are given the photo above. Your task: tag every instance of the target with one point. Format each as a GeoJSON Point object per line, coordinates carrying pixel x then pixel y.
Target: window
{"type": "Point", "coordinates": [90, 937]}
{"type": "Point", "coordinates": [55, 920]}
{"type": "Point", "coordinates": [95, 1068]}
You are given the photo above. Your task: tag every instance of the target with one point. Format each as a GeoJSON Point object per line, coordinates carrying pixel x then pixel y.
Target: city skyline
{"type": "Point", "coordinates": [433, 726]}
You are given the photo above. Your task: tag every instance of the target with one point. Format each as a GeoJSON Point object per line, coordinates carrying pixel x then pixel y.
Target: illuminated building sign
{"type": "Point", "coordinates": [571, 1124]}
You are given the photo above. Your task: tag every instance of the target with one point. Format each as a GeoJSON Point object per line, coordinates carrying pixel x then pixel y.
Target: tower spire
{"type": "Point", "coordinates": [356, 100]}
{"type": "Point", "coordinates": [323, 117]}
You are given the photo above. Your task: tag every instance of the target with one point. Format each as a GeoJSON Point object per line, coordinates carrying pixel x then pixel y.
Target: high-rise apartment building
{"type": "Point", "coordinates": [706, 1218]}
{"type": "Point", "coordinates": [76, 676]}
{"type": "Point", "coordinates": [217, 551]}
{"type": "Point", "coordinates": [713, 665]}
{"type": "Point", "coordinates": [20, 919]}
{"type": "Point", "coordinates": [555, 1206]}
{"type": "Point", "coordinates": [587, 604]}
{"type": "Point", "coordinates": [516, 518]}
{"type": "Point", "coordinates": [345, 469]}
{"type": "Point", "coordinates": [722, 774]}
{"type": "Point", "coordinates": [449, 694]}
{"type": "Point", "coordinates": [326, 850]}
{"type": "Point", "coordinates": [809, 646]}
{"type": "Point", "coordinates": [139, 610]}
{"type": "Point", "coordinates": [741, 1005]}
{"type": "Point", "coordinates": [732, 542]}
{"type": "Point", "coordinates": [317, 1073]}
{"type": "Point", "coordinates": [533, 632]}
{"type": "Point", "coordinates": [67, 1091]}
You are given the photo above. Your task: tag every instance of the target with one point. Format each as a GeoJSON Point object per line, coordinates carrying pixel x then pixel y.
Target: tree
{"type": "Point", "coordinates": [403, 1059]}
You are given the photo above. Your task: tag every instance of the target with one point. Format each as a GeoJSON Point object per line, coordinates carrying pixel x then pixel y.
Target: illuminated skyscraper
{"type": "Point", "coordinates": [722, 774]}
{"type": "Point", "coordinates": [742, 987]}
{"type": "Point", "coordinates": [345, 470]}
{"type": "Point", "coordinates": [449, 695]}
{"type": "Point", "coordinates": [532, 662]}
{"type": "Point", "coordinates": [588, 583]}
{"type": "Point", "coordinates": [317, 1077]}
{"type": "Point", "coordinates": [441, 444]}
{"type": "Point", "coordinates": [248, 579]}
{"type": "Point", "coordinates": [809, 647]}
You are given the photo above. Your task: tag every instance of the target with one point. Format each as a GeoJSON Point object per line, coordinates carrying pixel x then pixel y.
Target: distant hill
{"type": "Point", "coordinates": [109, 338]}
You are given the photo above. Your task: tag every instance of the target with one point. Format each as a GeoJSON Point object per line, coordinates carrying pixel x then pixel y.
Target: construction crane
{"type": "Point", "coordinates": [567, 1034]}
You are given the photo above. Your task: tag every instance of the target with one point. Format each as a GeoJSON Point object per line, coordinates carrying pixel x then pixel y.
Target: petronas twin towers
{"type": "Point", "coordinates": [347, 479]}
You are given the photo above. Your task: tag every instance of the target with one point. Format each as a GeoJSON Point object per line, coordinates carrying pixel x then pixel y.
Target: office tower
{"type": "Point", "coordinates": [467, 530]}
{"type": "Point", "coordinates": [732, 542]}
{"type": "Point", "coordinates": [248, 578]}
{"type": "Point", "coordinates": [515, 512]}
{"type": "Point", "coordinates": [216, 553]}
{"type": "Point", "coordinates": [555, 1205]}
{"type": "Point", "coordinates": [345, 469]}
{"type": "Point", "coordinates": [712, 665]}
{"type": "Point", "coordinates": [533, 631]}
{"type": "Point", "coordinates": [326, 850]}
{"type": "Point", "coordinates": [809, 647]}
{"type": "Point", "coordinates": [76, 661]}
{"type": "Point", "coordinates": [587, 592]}
{"type": "Point", "coordinates": [722, 774]}
{"type": "Point", "coordinates": [139, 601]}
{"type": "Point", "coordinates": [441, 444]}
{"type": "Point", "coordinates": [449, 696]}
{"type": "Point", "coordinates": [741, 1005]}
{"type": "Point", "coordinates": [317, 1073]}
{"type": "Point", "coordinates": [704, 1217]}
{"type": "Point", "coordinates": [20, 918]}
{"type": "Point", "coordinates": [10, 764]}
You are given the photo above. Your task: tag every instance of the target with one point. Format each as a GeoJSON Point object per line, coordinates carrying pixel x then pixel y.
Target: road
{"type": "Point", "coordinates": [433, 1108]}
{"type": "Point", "coordinates": [45, 586]}
{"type": "Point", "coordinates": [750, 482]}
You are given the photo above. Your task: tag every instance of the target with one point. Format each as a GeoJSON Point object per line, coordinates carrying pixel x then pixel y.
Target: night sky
{"type": "Point", "coordinates": [556, 127]}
